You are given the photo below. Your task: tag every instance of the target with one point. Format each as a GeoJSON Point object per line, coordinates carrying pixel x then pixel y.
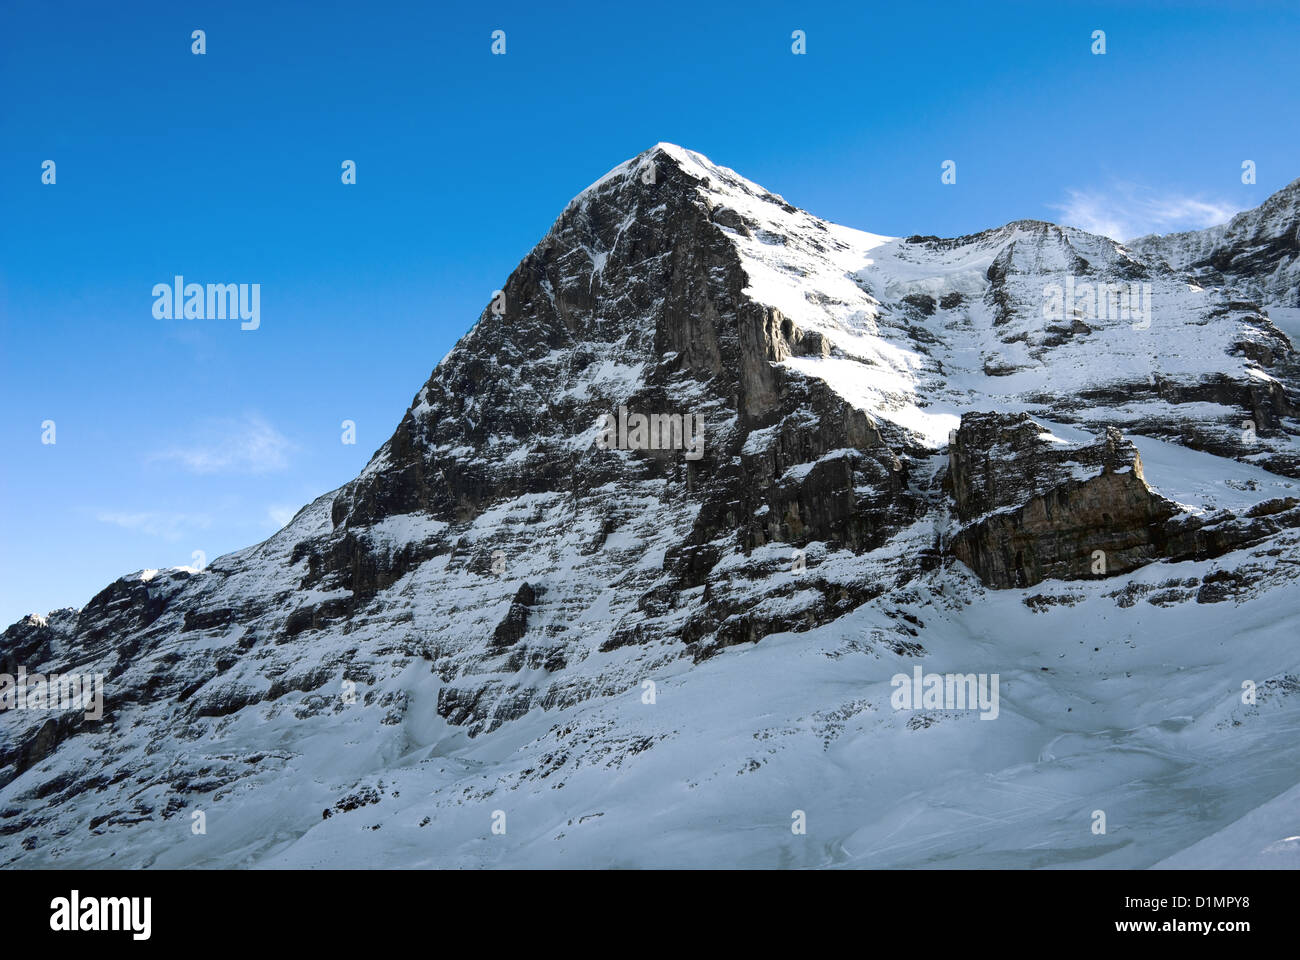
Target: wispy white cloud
{"type": "Point", "coordinates": [169, 526]}
{"type": "Point", "coordinates": [246, 445]}
{"type": "Point", "coordinates": [280, 515]}
{"type": "Point", "coordinates": [1127, 210]}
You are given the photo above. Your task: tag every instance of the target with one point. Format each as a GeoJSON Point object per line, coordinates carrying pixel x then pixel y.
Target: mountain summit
{"type": "Point", "coordinates": [640, 565]}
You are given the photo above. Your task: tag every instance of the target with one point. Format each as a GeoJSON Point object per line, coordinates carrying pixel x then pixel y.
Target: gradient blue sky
{"type": "Point", "coordinates": [183, 435]}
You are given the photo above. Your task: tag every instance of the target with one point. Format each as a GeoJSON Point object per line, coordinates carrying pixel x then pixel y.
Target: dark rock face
{"type": "Point", "coordinates": [1003, 460]}
{"type": "Point", "coordinates": [1045, 509]}
{"type": "Point", "coordinates": [1035, 508]}
{"type": "Point", "coordinates": [514, 625]}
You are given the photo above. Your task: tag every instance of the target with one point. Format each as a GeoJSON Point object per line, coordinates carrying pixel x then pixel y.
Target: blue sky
{"type": "Point", "coordinates": [181, 435]}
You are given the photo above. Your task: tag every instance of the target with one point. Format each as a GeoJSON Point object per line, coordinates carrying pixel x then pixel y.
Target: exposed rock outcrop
{"type": "Point", "coordinates": [1035, 507]}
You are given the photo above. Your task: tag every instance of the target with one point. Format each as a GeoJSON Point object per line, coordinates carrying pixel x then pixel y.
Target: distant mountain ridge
{"type": "Point", "coordinates": [1256, 251]}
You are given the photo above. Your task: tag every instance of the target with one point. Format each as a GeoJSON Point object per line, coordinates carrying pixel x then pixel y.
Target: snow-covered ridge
{"type": "Point", "coordinates": [921, 329]}
{"type": "Point", "coordinates": [1257, 252]}
{"type": "Point", "coordinates": [1275, 216]}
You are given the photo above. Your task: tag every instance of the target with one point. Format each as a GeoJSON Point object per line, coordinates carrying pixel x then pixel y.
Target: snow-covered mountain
{"type": "Point", "coordinates": [518, 639]}
{"type": "Point", "coordinates": [1254, 252]}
